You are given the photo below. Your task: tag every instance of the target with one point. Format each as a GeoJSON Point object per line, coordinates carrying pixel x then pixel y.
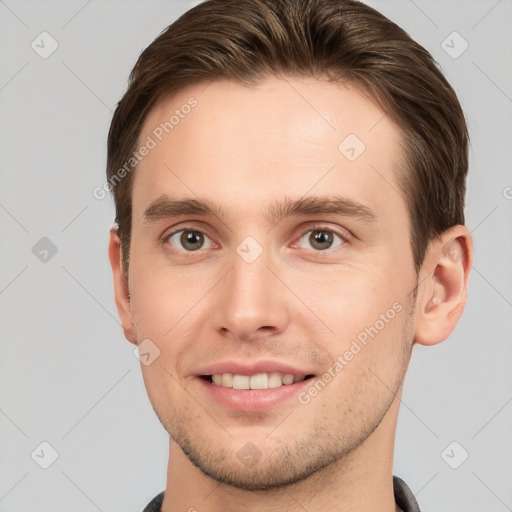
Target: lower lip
{"type": "Point", "coordinates": [253, 400]}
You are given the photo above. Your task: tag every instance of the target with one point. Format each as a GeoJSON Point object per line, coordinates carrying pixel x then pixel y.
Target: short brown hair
{"type": "Point", "coordinates": [246, 41]}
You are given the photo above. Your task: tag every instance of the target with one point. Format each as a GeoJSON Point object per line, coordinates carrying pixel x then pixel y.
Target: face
{"type": "Point", "coordinates": [270, 249]}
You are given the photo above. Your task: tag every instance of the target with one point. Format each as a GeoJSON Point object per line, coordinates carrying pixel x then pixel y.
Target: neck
{"type": "Point", "coordinates": [361, 481]}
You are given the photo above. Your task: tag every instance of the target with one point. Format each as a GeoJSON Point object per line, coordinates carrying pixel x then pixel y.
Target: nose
{"type": "Point", "coordinates": [251, 302]}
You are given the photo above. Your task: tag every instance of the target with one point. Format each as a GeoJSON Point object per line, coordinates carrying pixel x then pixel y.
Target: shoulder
{"type": "Point", "coordinates": [155, 504]}
{"type": "Point", "coordinates": [404, 497]}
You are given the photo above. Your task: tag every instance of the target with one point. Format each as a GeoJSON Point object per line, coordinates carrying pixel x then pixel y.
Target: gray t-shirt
{"type": "Point", "coordinates": [404, 498]}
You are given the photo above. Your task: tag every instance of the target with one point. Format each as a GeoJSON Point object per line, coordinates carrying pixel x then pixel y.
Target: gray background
{"type": "Point", "coordinates": [68, 376]}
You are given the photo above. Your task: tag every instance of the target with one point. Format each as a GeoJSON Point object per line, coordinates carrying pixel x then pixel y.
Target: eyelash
{"type": "Point", "coordinates": [345, 237]}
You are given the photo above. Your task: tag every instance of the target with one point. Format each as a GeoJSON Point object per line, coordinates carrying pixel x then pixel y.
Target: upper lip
{"type": "Point", "coordinates": [244, 368]}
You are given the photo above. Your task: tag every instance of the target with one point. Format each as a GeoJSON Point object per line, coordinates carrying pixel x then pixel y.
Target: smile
{"type": "Point", "coordinates": [268, 380]}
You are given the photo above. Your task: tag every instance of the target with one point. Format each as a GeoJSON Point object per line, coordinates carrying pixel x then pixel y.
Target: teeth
{"type": "Point", "coordinates": [257, 381]}
{"type": "Point", "coordinates": [288, 378]}
{"type": "Point", "coordinates": [275, 380]}
{"type": "Point", "coordinates": [241, 381]}
{"type": "Point", "coordinates": [226, 380]}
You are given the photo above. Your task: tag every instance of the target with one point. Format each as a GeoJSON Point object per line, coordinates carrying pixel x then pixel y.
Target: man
{"type": "Point", "coordinates": [289, 179]}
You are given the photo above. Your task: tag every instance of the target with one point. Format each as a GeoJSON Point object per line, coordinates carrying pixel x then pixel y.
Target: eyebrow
{"type": "Point", "coordinates": [165, 207]}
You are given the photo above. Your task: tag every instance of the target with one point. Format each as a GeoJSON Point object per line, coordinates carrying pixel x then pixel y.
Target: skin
{"type": "Point", "coordinates": [244, 148]}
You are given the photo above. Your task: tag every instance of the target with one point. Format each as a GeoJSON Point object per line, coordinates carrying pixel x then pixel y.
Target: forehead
{"type": "Point", "coordinates": [223, 139]}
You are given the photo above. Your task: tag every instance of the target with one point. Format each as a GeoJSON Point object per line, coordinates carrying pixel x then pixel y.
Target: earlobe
{"type": "Point", "coordinates": [442, 291]}
{"type": "Point", "coordinates": [122, 295]}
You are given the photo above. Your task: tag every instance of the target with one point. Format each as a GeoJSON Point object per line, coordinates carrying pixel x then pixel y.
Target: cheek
{"type": "Point", "coordinates": [367, 315]}
{"type": "Point", "coordinates": [167, 309]}
{"type": "Point", "coordinates": [351, 299]}
{"type": "Point", "coordinates": [370, 349]}
{"type": "Point", "coordinates": [161, 297]}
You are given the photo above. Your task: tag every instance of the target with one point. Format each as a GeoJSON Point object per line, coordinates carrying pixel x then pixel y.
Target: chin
{"type": "Point", "coordinates": [265, 474]}
{"type": "Point", "coordinates": [274, 463]}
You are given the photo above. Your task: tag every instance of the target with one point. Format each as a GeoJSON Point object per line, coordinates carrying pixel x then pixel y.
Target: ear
{"type": "Point", "coordinates": [121, 291]}
{"type": "Point", "coordinates": [442, 289]}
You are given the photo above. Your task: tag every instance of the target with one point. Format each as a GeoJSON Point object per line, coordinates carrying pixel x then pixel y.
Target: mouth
{"type": "Point", "coordinates": [268, 380]}
{"type": "Point", "coordinates": [253, 386]}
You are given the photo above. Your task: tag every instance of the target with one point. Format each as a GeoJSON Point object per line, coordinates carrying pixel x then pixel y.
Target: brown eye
{"type": "Point", "coordinates": [321, 239]}
{"type": "Point", "coordinates": [189, 240]}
